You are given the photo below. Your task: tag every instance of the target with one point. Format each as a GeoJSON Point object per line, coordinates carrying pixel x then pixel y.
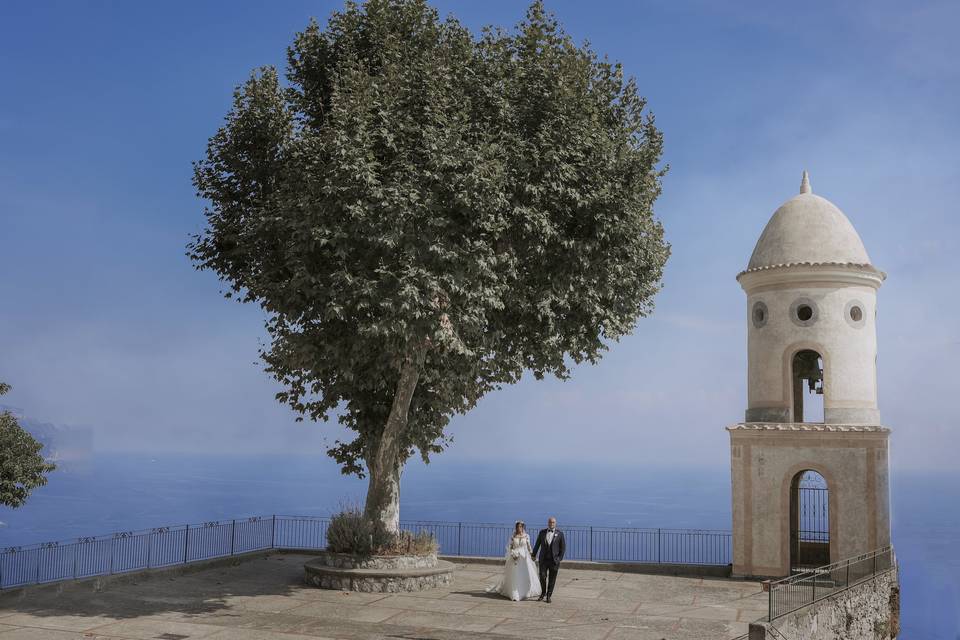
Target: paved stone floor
{"type": "Point", "coordinates": [265, 599]}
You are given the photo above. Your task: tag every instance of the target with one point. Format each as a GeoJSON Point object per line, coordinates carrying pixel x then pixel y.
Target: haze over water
{"type": "Point", "coordinates": [131, 492]}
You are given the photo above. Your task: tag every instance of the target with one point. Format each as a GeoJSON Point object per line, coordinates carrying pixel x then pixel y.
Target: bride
{"type": "Point", "coordinates": [520, 578]}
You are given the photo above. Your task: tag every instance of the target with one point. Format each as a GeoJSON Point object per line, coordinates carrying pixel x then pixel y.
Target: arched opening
{"type": "Point", "coordinates": [809, 521]}
{"type": "Point", "coordinates": [807, 375]}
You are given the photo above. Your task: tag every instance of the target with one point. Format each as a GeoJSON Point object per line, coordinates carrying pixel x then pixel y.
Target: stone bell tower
{"type": "Point", "coordinates": [805, 492]}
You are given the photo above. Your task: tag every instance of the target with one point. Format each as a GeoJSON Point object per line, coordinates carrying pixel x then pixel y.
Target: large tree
{"type": "Point", "coordinates": [22, 465]}
{"type": "Point", "coordinates": [424, 215]}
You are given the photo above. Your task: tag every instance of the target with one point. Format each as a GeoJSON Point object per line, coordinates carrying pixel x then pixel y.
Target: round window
{"type": "Point", "coordinates": [804, 312]}
{"type": "Point", "coordinates": [760, 314]}
{"type": "Point", "coordinates": [855, 314]}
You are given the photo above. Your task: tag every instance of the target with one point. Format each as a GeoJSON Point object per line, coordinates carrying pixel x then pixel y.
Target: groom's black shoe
{"type": "Point", "coordinates": [540, 598]}
{"type": "Point", "coordinates": [548, 599]}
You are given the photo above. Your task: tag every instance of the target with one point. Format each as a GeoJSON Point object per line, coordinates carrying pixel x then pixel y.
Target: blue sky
{"type": "Point", "coordinates": [104, 323]}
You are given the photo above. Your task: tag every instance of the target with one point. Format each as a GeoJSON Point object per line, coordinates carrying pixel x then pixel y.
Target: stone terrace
{"type": "Point", "coordinates": [264, 598]}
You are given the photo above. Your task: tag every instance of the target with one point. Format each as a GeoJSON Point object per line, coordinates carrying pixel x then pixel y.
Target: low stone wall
{"type": "Point", "coordinates": [347, 561]}
{"type": "Point", "coordinates": [377, 574]}
{"type": "Point", "coordinates": [867, 611]}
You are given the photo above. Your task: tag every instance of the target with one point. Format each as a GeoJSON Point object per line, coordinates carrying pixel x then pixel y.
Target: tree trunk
{"type": "Point", "coordinates": [383, 490]}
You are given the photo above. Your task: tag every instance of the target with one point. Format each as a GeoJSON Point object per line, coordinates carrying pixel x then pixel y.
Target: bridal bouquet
{"type": "Point", "coordinates": [515, 554]}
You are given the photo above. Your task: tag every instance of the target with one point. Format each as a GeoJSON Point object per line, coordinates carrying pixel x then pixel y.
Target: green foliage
{"type": "Point", "coordinates": [421, 543]}
{"type": "Point", "coordinates": [22, 467]}
{"type": "Point", "coordinates": [490, 197]}
{"type": "Point", "coordinates": [352, 532]}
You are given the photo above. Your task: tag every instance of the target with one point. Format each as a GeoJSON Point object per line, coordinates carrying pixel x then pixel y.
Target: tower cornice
{"type": "Point", "coordinates": [811, 274]}
{"type": "Point", "coordinates": [808, 427]}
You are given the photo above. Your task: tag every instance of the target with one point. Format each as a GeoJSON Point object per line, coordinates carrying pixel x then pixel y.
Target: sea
{"type": "Point", "coordinates": [124, 492]}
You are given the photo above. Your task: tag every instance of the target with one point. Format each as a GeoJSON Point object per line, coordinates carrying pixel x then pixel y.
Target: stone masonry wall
{"type": "Point", "coordinates": [397, 584]}
{"type": "Point", "coordinates": [377, 574]}
{"type": "Point", "coordinates": [867, 611]}
{"type": "Point", "coordinates": [347, 561]}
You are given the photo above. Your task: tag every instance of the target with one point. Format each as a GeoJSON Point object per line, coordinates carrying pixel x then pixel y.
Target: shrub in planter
{"type": "Point", "coordinates": [408, 543]}
{"type": "Point", "coordinates": [350, 532]}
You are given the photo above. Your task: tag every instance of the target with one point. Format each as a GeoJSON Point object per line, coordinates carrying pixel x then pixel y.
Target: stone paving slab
{"type": "Point", "coordinates": [439, 605]}
{"type": "Point", "coordinates": [146, 629]}
{"type": "Point", "coordinates": [255, 634]}
{"type": "Point", "coordinates": [355, 612]}
{"type": "Point", "coordinates": [25, 633]}
{"type": "Point", "coordinates": [266, 599]}
{"type": "Point", "coordinates": [532, 611]}
{"type": "Point", "coordinates": [64, 622]}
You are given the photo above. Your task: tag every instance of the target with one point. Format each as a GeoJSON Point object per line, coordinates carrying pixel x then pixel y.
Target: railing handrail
{"type": "Point", "coordinates": [569, 526]}
{"type": "Point", "coordinates": [827, 568]}
{"type": "Point", "coordinates": [792, 588]}
{"type": "Point", "coordinates": [135, 550]}
{"type": "Point", "coordinates": [178, 527]}
{"type": "Point", "coordinates": [135, 532]}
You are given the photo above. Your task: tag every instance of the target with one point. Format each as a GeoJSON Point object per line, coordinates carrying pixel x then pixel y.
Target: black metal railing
{"type": "Point", "coordinates": [598, 544]}
{"type": "Point", "coordinates": [129, 551]}
{"type": "Point", "coordinates": [814, 514]}
{"type": "Point", "coordinates": [805, 588]}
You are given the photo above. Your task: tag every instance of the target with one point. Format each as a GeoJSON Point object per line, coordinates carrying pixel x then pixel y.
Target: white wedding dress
{"type": "Point", "coordinates": [520, 577]}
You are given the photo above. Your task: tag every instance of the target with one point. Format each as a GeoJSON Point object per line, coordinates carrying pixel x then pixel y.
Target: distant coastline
{"type": "Point", "coordinates": [69, 447]}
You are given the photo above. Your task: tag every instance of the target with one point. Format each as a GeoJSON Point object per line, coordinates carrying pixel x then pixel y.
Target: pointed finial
{"type": "Point", "coordinates": [805, 183]}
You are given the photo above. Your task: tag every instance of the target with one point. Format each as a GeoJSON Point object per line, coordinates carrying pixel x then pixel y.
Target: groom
{"type": "Point", "coordinates": [552, 546]}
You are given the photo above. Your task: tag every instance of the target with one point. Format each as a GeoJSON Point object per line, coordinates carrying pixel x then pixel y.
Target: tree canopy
{"type": "Point", "coordinates": [22, 466]}
{"type": "Point", "coordinates": [425, 214]}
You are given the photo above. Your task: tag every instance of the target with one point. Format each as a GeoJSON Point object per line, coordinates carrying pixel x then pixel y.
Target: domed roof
{"type": "Point", "coordinates": [808, 229]}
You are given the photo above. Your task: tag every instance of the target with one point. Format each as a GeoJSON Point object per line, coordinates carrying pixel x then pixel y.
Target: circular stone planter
{"type": "Point", "coordinates": [377, 574]}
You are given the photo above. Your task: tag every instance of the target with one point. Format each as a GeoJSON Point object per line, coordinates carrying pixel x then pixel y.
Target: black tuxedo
{"type": "Point", "coordinates": [550, 557]}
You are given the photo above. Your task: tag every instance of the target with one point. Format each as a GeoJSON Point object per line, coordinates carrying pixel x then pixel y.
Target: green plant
{"type": "Point", "coordinates": [425, 214]}
{"type": "Point", "coordinates": [421, 543]}
{"type": "Point", "coordinates": [352, 532]}
{"type": "Point", "coordinates": [881, 629]}
{"type": "Point", "coordinates": [22, 466]}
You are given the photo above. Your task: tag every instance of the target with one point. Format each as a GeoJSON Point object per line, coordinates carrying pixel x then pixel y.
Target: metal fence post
{"type": "Point", "coordinates": [813, 593]}
{"type": "Point", "coordinates": [113, 541]}
{"type": "Point", "coordinates": [658, 546]}
{"type": "Point", "coordinates": [459, 538]}
{"type": "Point", "coordinates": [770, 603]}
{"type": "Point", "coordinates": [273, 533]}
{"type": "Point", "coordinates": [591, 544]}
{"type": "Point", "coordinates": [233, 536]}
{"type": "Point", "coordinates": [186, 542]}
